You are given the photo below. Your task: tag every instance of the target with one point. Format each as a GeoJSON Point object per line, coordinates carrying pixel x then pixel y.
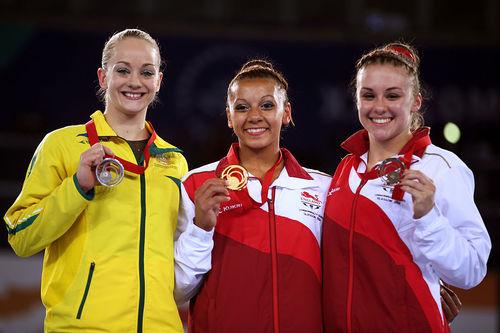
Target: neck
{"type": "Point", "coordinates": [258, 162]}
{"type": "Point", "coordinates": [129, 127]}
{"type": "Point", "coordinates": [379, 150]}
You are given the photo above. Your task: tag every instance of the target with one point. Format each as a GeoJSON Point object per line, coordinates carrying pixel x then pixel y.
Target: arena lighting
{"type": "Point", "coordinates": [451, 132]}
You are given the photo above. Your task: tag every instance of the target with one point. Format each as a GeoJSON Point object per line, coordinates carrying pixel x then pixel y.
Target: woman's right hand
{"type": "Point", "coordinates": [89, 159]}
{"type": "Point", "coordinates": [207, 200]}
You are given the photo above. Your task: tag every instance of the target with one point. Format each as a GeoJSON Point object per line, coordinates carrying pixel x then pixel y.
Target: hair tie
{"type": "Point", "coordinates": [402, 51]}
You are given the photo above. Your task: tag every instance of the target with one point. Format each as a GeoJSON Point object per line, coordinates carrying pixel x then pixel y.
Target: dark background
{"type": "Point", "coordinates": [50, 51]}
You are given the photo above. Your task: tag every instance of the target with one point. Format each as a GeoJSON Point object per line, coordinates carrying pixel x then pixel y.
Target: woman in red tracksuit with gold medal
{"type": "Point", "coordinates": [264, 272]}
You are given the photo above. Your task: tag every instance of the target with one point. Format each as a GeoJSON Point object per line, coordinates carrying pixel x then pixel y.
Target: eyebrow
{"type": "Point", "coordinates": [391, 88]}
{"type": "Point", "coordinates": [245, 100]}
{"type": "Point", "coordinates": [128, 64]}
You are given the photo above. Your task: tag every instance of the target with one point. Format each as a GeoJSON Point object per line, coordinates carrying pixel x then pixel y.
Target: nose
{"type": "Point", "coordinates": [379, 105]}
{"type": "Point", "coordinates": [134, 80]}
{"type": "Point", "coordinates": [254, 114]}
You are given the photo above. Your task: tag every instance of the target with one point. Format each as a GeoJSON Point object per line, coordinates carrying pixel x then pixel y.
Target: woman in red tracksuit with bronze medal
{"type": "Point", "coordinates": [400, 212]}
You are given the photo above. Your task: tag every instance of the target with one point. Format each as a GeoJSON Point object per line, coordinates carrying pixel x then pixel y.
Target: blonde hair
{"type": "Point", "coordinates": [110, 45]}
{"type": "Point", "coordinates": [117, 37]}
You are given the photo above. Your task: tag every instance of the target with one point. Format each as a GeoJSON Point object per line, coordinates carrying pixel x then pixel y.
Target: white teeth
{"type": "Point", "coordinates": [255, 130]}
{"type": "Point", "coordinates": [132, 95]}
{"type": "Point", "coordinates": [381, 120]}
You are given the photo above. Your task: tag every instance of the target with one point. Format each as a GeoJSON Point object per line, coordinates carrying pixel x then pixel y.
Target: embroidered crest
{"type": "Point", "coordinates": [310, 200]}
{"type": "Point", "coordinates": [162, 159]}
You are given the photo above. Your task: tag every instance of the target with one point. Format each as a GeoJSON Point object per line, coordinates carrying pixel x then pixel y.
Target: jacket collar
{"type": "Point", "coordinates": [159, 146]}
{"type": "Point", "coordinates": [358, 143]}
{"type": "Point", "coordinates": [292, 176]}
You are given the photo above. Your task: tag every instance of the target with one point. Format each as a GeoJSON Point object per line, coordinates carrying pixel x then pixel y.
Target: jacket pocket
{"type": "Point", "coordinates": [86, 292]}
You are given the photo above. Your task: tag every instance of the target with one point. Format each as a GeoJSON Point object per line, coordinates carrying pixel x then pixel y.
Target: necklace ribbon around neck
{"type": "Point", "coordinates": [129, 166]}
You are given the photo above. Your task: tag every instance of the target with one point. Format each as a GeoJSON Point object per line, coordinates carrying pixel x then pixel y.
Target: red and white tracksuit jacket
{"type": "Point", "coordinates": [381, 267]}
{"type": "Point", "coordinates": [264, 271]}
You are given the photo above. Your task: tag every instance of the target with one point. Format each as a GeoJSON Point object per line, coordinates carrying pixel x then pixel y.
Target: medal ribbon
{"type": "Point", "coordinates": [417, 146]}
{"type": "Point", "coordinates": [268, 178]}
{"type": "Point", "coordinates": [129, 166]}
{"type": "Point", "coordinates": [413, 146]}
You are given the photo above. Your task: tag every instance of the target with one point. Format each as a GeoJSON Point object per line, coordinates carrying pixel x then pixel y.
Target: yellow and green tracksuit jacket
{"type": "Point", "coordinates": [108, 264]}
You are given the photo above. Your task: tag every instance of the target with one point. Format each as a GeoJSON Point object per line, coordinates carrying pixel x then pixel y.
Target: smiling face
{"type": "Point", "coordinates": [131, 78]}
{"type": "Point", "coordinates": [257, 109]}
{"type": "Point", "coordinates": [386, 99]}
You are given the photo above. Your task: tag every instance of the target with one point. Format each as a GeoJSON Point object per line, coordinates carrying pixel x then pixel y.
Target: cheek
{"type": "Point", "coordinates": [113, 84]}
{"type": "Point", "coordinates": [157, 84]}
{"type": "Point", "coordinates": [234, 119]}
{"type": "Point", "coordinates": [407, 108]}
{"type": "Point", "coordinates": [362, 107]}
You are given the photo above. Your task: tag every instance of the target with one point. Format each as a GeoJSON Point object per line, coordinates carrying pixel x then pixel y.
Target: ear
{"type": "Point", "coordinates": [417, 103]}
{"type": "Point", "coordinates": [101, 75]}
{"type": "Point", "coordinates": [160, 80]}
{"type": "Point", "coordinates": [287, 114]}
{"type": "Point", "coordinates": [228, 115]}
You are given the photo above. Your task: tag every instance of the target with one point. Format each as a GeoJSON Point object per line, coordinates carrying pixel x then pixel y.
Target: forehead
{"type": "Point", "coordinates": [135, 50]}
{"type": "Point", "coordinates": [254, 86]}
{"type": "Point", "coordinates": [383, 74]}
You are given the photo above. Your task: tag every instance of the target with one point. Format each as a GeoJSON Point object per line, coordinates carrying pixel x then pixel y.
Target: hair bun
{"type": "Point", "coordinates": [257, 63]}
{"type": "Point", "coordinates": [259, 68]}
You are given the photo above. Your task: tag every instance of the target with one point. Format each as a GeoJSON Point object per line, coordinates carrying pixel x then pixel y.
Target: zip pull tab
{"type": "Point", "coordinates": [270, 201]}
{"type": "Point", "coordinates": [270, 205]}
{"type": "Point", "coordinates": [361, 184]}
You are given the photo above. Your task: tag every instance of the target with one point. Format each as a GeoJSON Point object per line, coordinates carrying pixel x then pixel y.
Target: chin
{"type": "Point", "coordinates": [254, 145]}
{"type": "Point", "coordinates": [134, 109]}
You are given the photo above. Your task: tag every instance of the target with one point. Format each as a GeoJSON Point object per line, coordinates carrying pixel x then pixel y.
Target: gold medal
{"type": "Point", "coordinates": [236, 176]}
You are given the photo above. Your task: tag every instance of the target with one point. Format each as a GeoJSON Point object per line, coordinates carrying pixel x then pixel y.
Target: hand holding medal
{"type": "Point", "coordinates": [110, 171]}
{"type": "Point", "coordinates": [393, 172]}
{"type": "Point", "coordinates": [96, 167]}
{"type": "Point", "coordinates": [207, 200]}
{"type": "Point", "coordinates": [422, 191]}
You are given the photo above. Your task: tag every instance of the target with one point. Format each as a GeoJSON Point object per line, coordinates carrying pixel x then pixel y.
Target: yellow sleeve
{"type": "Point", "coordinates": [183, 166]}
{"type": "Point", "coordinates": [50, 200]}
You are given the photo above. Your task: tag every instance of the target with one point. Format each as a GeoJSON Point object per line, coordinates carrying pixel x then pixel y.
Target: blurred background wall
{"type": "Point", "coordinates": [50, 51]}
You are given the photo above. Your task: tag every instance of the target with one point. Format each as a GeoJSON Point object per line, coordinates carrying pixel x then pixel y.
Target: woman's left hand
{"type": "Point", "coordinates": [450, 302]}
{"type": "Point", "coordinates": [422, 190]}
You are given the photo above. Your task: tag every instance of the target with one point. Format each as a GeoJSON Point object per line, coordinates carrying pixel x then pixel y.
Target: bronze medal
{"type": "Point", "coordinates": [391, 170]}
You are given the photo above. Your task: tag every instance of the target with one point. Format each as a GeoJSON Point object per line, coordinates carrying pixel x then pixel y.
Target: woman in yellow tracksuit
{"type": "Point", "coordinates": [108, 264]}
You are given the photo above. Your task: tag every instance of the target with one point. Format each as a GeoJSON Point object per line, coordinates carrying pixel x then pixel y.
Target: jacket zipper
{"type": "Point", "coordinates": [274, 260]}
{"type": "Point", "coordinates": [142, 240]}
{"type": "Point", "coordinates": [86, 292]}
{"type": "Point", "coordinates": [351, 256]}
